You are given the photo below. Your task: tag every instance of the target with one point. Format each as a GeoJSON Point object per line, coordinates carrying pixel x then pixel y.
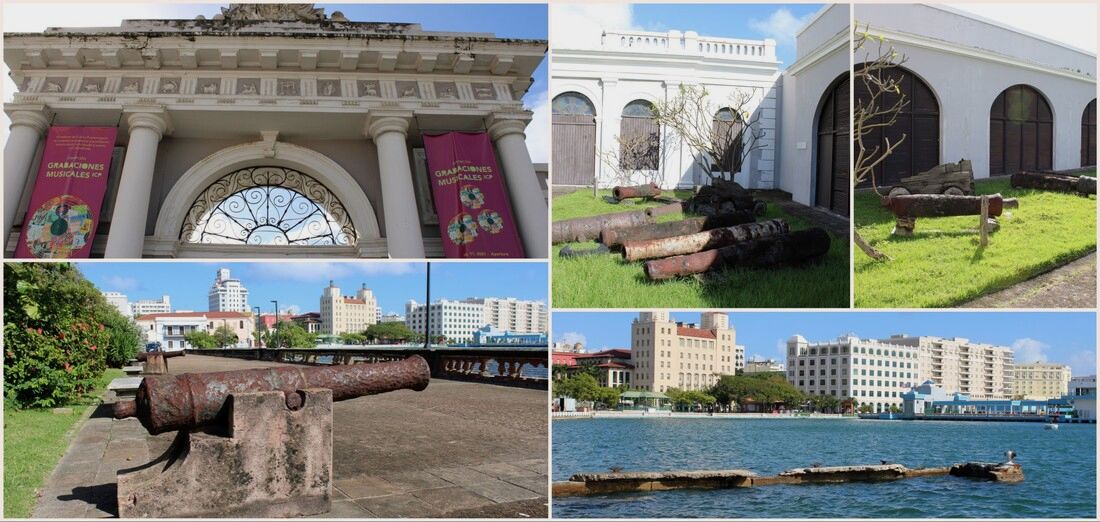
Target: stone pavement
{"type": "Point", "coordinates": [1072, 285]}
{"type": "Point", "coordinates": [457, 449]}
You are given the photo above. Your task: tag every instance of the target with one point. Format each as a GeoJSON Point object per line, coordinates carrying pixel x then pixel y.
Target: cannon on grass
{"type": "Point", "coordinates": [1082, 185]}
{"type": "Point", "coordinates": [907, 209]}
{"type": "Point", "coordinates": [250, 443]}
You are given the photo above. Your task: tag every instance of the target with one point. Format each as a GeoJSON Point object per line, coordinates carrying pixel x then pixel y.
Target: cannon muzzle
{"type": "Point", "coordinates": [191, 400]}
{"type": "Point", "coordinates": [141, 356]}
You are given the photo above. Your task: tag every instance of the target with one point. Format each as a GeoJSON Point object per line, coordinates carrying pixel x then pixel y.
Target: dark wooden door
{"type": "Point", "coordinates": [1088, 135]}
{"type": "Point", "coordinates": [574, 140]}
{"type": "Point", "coordinates": [1021, 132]}
{"type": "Point", "coordinates": [833, 163]}
{"type": "Point", "coordinates": [918, 122]}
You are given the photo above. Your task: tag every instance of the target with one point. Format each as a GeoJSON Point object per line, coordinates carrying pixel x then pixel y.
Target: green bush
{"type": "Point", "coordinates": [124, 338]}
{"type": "Point", "coordinates": [58, 330]}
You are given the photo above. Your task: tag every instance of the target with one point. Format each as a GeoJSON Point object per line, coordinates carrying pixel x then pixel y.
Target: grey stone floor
{"type": "Point", "coordinates": [456, 449]}
{"type": "Point", "coordinates": [1072, 285]}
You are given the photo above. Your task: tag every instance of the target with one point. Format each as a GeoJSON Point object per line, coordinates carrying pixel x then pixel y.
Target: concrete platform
{"type": "Point", "coordinates": [457, 449]}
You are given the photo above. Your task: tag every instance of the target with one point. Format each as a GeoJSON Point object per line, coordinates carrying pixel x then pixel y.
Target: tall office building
{"type": "Point", "coordinates": [343, 314]}
{"type": "Point", "coordinates": [871, 372]}
{"type": "Point", "coordinates": [227, 294]}
{"type": "Point", "coordinates": [511, 314]}
{"type": "Point", "coordinates": [669, 354]}
{"type": "Point", "coordinates": [119, 301]}
{"type": "Point", "coordinates": [978, 370]}
{"type": "Point", "coordinates": [151, 306]}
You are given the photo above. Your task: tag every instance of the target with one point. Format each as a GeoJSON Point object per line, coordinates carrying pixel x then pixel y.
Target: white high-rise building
{"type": "Point", "coordinates": [511, 314]}
{"type": "Point", "coordinates": [119, 301]}
{"type": "Point", "coordinates": [872, 372]}
{"type": "Point", "coordinates": [344, 314]}
{"type": "Point", "coordinates": [151, 306]}
{"type": "Point", "coordinates": [227, 294]}
{"type": "Point", "coordinates": [978, 370]}
{"type": "Point", "coordinates": [455, 321]}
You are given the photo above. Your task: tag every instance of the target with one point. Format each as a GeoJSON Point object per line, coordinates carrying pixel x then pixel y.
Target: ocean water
{"type": "Point", "coordinates": [1059, 467]}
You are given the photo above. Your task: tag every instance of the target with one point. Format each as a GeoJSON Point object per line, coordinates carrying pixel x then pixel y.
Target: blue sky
{"type": "Point", "coordinates": [299, 285]}
{"type": "Point", "coordinates": [751, 21]}
{"type": "Point", "coordinates": [1062, 337]}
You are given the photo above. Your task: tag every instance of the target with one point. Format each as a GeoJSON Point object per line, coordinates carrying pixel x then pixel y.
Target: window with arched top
{"type": "Point", "coordinates": [728, 127]}
{"type": "Point", "coordinates": [1088, 135]}
{"type": "Point", "coordinates": [1021, 131]}
{"type": "Point", "coordinates": [573, 118]}
{"type": "Point", "coordinates": [639, 137]}
{"type": "Point", "coordinates": [832, 159]}
{"type": "Point", "coordinates": [918, 121]}
{"type": "Point", "coordinates": [268, 206]}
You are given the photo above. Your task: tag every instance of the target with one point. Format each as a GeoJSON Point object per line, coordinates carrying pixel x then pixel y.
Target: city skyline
{"type": "Point", "coordinates": [298, 286]}
{"type": "Point", "coordinates": [1058, 337]}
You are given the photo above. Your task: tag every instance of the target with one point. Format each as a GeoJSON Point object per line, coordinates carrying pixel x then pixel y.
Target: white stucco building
{"type": "Point", "coordinates": [604, 88]}
{"type": "Point", "coordinates": [151, 306]}
{"type": "Point", "coordinates": [271, 106]}
{"type": "Point", "coordinates": [119, 301]}
{"type": "Point", "coordinates": [513, 315]}
{"type": "Point", "coordinates": [454, 320]}
{"type": "Point", "coordinates": [872, 372]}
{"type": "Point", "coordinates": [1082, 390]}
{"type": "Point", "coordinates": [1003, 98]}
{"type": "Point", "coordinates": [981, 371]}
{"type": "Point", "coordinates": [227, 294]}
{"type": "Point", "coordinates": [169, 329]}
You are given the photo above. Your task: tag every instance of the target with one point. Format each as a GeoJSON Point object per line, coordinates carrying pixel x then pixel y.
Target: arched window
{"type": "Point", "coordinates": [639, 137]}
{"type": "Point", "coordinates": [728, 129]}
{"type": "Point", "coordinates": [574, 139]}
{"type": "Point", "coordinates": [832, 165]}
{"type": "Point", "coordinates": [1088, 135]}
{"type": "Point", "coordinates": [918, 121]}
{"type": "Point", "coordinates": [268, 206]}
{"type": "Point", "coordinates": [1021, 131]}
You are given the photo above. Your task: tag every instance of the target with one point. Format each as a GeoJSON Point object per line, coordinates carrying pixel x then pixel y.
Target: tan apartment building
{"type": "Point", "coordinates": [978, 370]}
{"type": "Point", "coordinates": [1039, 381]}
{"type": "Point", "coordinates": [669, 354]}
{"type": "Point", "coordinates": [513, 315]}
{"type": "Point", "coordinates": [342, 314]}
{"type": "Point", "coordinates": [872, 372]}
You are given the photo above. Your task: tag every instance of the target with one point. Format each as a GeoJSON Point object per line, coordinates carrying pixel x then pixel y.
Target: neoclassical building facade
{"type": "Point", "coordinates": [272, 130]}
{"type": "Point", "coordinates": [606, 91]}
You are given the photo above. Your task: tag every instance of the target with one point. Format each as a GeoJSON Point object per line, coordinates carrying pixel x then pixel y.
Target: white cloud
{"type": "Point", "coordinates": [1028, 350]}
{"type": "Point", "coordinates": [579, 26]}
{"type": "Point", "coordinates": [289, 310]}
{"type": "Point", "coordinates": [573, 338]}
{"type": "Point", "coordinates": [122, 284]}
{"type": "Point", "coordinates": [1073, 24]}
{"type": "Point", "coordinates": [538, 131]}
{"type": "Point", "coordinates": [1083, 362]}
{"type": "Point", "coordinates": [781, 26]}
{"type": "Point", "coordinates": [318, 271]}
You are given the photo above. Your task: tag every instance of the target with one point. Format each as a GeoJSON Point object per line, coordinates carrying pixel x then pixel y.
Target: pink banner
{"type": "Point", "coordinates": [68, 193]}
{"type": "Point", "coordinates": [475, 216]}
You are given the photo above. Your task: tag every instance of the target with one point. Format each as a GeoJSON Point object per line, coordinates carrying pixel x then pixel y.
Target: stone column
{"type": "Point", "coordinates": [127, 235]}
{"type": "Point", "coordinates": [389, 132]}
{"type": "Point", "coordinates": [28, 124]}
{"type": "Point", "coordinates": [506, 130]}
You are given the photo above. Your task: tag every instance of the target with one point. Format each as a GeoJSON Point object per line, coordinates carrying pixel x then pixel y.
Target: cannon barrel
{"type": "Point", "coordinates": [588, 228]}
{"type": "Point", "coordinates": [141, 356]}
{"type": "Point", "coordinates": [650, 190]}
{"type": "Point", "coordinates": [939, 205]}
{"type": "Point", "coordinates": [191, 400]}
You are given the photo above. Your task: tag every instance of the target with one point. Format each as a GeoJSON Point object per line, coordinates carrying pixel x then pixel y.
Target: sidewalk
{"type": "Point", "coordinates": [456, 449]}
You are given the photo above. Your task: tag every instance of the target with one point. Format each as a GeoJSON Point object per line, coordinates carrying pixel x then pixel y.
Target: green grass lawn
{"type": "Point", "coordinates": [608, 282]}
{"type": "Point", "coordinates": [34, 440]}
{"type": "Point", "coordinates": [942, 265]}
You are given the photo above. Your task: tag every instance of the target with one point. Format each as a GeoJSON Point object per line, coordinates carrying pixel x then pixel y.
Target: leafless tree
{"type": "Point", "coordinates": [629, 153]}
{"type": "Point", "coordinates": [722, 135]}
{"type": "Point", "coordinates": [881, 102]}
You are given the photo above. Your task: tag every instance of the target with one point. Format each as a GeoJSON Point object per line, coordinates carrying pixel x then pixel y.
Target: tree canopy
{"type": "Point", "coordinates": [288, 334]}
{"type": "Point", "coordinates": [390, 331]}
{"type": "Point", "coordinates": [764, 389]}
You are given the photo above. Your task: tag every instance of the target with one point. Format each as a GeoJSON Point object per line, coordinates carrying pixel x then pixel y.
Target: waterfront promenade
{"type": "Point", "coordinates": [457, 449]}
{"type": "Point", "coordinates": [692, 415]}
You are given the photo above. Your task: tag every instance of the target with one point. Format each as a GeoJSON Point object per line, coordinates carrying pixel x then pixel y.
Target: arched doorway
{"type": "Point", "coordinates": [728, 128]}
{"type": "Point", "coordinates": [574, 134]}
{"type": "Point", "coordinates": [639, 137]}
{"type": "Point", "coordinates": [833, 162]}
{"type": "Point", "coordinates": [1021, 131]}
{"type": "Point", "coordinates": [1088, 135]}
{"type": "Point", "coordinates": [268, 206]}
{"type": "Point", "coordinates": [918, 120]}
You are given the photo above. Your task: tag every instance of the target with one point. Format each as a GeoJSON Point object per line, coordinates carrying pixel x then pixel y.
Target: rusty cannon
{"type": "Point", "coordinates": [250, 443]}
{"type": "Point", "coordinates": [700, 241]}
{"type": "Point", "coordinates": [156, 362]}
{"type": "Point", "coordinates": [142, 356]}
{"type": "Point", "coordinates": [908, 208]}
{"type": "Point", "coordinates": [614, 237]}
{"type": "Point", "coordinates": [1083, 185]}
{"type": "Point", "coordinates": [650, 190]}
{"type": "Point", "coordinates": [588, 228]}
{"type": "Point", "coordinates": [785, 249]}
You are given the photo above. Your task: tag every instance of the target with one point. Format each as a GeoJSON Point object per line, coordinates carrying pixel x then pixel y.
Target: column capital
{"type": "Point", "coordinates": [154, 118]}
{"type": "Point", "coordinates": [381, 122]}
{"type": "Point", "coordinates": [501, 124]}
{"type": "Point", "coordinates": [35, 116]}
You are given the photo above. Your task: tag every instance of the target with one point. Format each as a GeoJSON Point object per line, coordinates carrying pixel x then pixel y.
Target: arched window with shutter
{"type": "Point", "coordinates": [1021, 131]}
{"type": "Point", "coordinates": [639, 137]}
{"type": "Point", "coordinates": [728, 128]}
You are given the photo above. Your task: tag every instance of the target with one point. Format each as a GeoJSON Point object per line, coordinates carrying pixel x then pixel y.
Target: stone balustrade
{"type": "Point", "coordinates": [690, 43]}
